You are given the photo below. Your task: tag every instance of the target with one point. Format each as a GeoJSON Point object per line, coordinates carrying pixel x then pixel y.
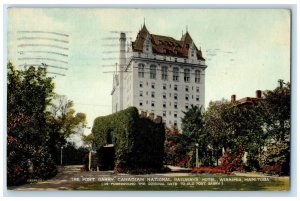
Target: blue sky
{"type": "Point", "coordinates": [245, 49]}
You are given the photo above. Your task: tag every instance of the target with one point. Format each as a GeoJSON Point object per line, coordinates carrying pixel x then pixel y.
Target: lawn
{"type": "Point", "coordinates": [195, 182]}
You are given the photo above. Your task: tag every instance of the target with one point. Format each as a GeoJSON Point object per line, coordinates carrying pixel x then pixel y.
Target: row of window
{"type": "Point", "coordinates": [165, 95]}
{"type": "Point", "coordinates": [175, 87]}
{"type": "Point", "coordinates": [164, 73]}
{"type": "Point", "coordinates": [165, 104]}
{"type": "Point", "coordinates": [170, 122]}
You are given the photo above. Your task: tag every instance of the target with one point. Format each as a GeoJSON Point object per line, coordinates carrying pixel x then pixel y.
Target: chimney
{"type": "Point", "coordinates": [258, 93]}
{"type": "Point", "coordinates": [233, 98]}
{"type": "Point", "coordinates": [122, 56]}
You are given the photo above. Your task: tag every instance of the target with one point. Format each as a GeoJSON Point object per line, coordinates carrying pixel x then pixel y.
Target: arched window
{"type": "Point", "coordinates": [141, 70]}
{"type": "Point", "coordinates": [164, 73]}
{"type": "Point", "coordinates": [186, 75]}
{"type": "Point", "coordinates": [152, 72]}
{"type": "Point", "coordinates": [197, 76]}
{"type": "Point", "coordinates": [175, 74]}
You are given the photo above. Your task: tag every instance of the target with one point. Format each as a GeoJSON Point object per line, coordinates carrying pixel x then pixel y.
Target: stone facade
{"type": "Point", "coordinates": [159, 75]}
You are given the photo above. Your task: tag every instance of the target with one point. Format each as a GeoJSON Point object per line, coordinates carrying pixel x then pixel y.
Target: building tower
{"type": "Point", "coordinates": [159, 75]}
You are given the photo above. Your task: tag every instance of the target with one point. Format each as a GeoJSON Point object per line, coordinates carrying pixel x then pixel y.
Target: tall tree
{"type": "Point", "coordinates": [64, 124]}
{"type": "Point", "coordinates": [28, 95]}
{"type": "Point", "coordinates": [193, 127]}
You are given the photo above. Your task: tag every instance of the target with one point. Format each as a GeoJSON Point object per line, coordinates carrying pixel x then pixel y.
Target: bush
{"type": "Point", "coordinates": [233, 161]}
{"type": "Point", "coordinates": [275, 169]}
{"type": "Point", "coordinates": [210, 170]}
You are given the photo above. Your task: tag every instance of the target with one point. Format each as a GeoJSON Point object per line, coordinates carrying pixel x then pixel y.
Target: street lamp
{"type": "Point", "coordinates": [197, 161]}
{"type": "Point", "coordinates": [61, 159]}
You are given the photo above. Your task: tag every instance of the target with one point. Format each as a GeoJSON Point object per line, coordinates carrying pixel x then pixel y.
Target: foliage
{"type": "Point", "coordinates": [175, 148]}
{"type": "Point", "coordinates": [275, 169]}
{"type": "Point", "coordinates": [210, 170]}
{"type": "Point", "coordinates": [63, 122]}
{"type": "Point", "coordinates": [233, 161]}
{"type": "Point", "coordinates": [73, 155]}
{"type": "Point", "coordinates": [28, 95]}
{"type": "Point", "coordinates": [261, 129]}
{"type": "Point", "coordinates": [138, 141]}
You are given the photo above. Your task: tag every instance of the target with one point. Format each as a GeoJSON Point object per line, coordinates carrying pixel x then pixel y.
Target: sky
{"type": "Point", "coordinates": [245, 49]}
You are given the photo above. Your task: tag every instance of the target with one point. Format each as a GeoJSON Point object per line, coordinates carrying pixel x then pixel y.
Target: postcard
{"type": "Point", "coordinates": [143, 99]}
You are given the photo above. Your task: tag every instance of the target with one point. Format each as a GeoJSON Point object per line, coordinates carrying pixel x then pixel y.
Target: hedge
{"type": "Point", "coordinates": [138, 141]}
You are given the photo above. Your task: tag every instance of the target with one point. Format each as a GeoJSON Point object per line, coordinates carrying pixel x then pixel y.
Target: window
{"type": "Point", "coordinates": [164, 113]}
{"type": "Point", "coordinates": [175, 114]}
{"type": "Point", "coordinates": [153, 86]}
{"type": "Point", "coordinates": [175, 59]}
{"type": "Point", "coordinates": [175, 87]}
{"type": "Point", "coordinates": [187, 88]}
{"type": "Point", "coordinates": [164, 95]}
{"type": "Point", "coordinates": [164, 105]}
{"type": "Point", "coordinates": [141, 84]}
{"type": "Point", "coordinates": [152, 72]}
{"type": "Point", "coordinates": [175, 74]}
{"type": "Point", "coordinates": [175, 105]}
{"type": "Point", "coordinates": [152, 104]}
{"type": "Point", "coordinates": [186, 106]}
{"type": "Point", "coordinates": [197, 98]}
{"type": "Point", "coordinates": [141, 93]}
{"type": "Point", "coordinates": [152, 94]}
{"type": "Point", "coordinates": [197, 76]}
{"type": "Point", "coordinates": [197, 89]}
{"type": "Point", "coordinates": [141, 103]}
{"type": "Point", "coordinates": [186, 97]}
{"type": "Point", "coordinates": [186, 75]}
{"type": "Point", "coordinates": [141, 70]}
{"type": "Point", "coordinates": [175, 123]}
{"type": "Point", "coordinates": [164, 86]}
{"type": "Point", "coordinates": [175, 96]}
{"type": "Point", "coordinates": [164, 73]}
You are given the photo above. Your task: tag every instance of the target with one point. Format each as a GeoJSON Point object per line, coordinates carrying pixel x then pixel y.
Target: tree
{"type": "Point", "coordinates": [277, 125]}
{"type": "Point", "coordinates": [28, 95]}
{"type": "Point", "coordinates": [64, 125]}
{"type": "Point", "coordinates": [193, 127]}
{"type": "Point", "coordinates": [176, 147]}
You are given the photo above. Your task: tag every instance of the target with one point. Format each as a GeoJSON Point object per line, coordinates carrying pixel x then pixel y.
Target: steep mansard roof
{"type": "Point", "coordinates": [165, 45]}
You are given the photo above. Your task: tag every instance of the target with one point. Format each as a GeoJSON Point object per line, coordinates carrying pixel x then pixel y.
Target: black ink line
{"type": "Point", "coordinates": [42, 38]}
{"type": "Point", "coordinates": [41, 58]}
{"type": "Point", "coordinates": [44, 45]}
{"type": "Point", "coordinates": [50, 32]}
{"type": "Point", "coordinates": [65, 55]}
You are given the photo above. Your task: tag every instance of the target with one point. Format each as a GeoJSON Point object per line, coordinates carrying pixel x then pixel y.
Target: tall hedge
{"type": "Point", "coordinates": [138, 141]}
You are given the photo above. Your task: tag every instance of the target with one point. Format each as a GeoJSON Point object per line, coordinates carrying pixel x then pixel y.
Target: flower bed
{"type": "Point", "coordinates": [211, 170]}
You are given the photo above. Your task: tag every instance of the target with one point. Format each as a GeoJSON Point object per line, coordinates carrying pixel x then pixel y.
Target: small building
{"type": "Point", "coordinates": [247, 101]}
{"type": "Point", "coordinates": [127, 141]}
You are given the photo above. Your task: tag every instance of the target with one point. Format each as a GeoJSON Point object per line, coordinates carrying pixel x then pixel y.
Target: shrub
{"type": "Point", "coordinates": [233, 161]}
{"type": "Point", "coordinates": [210, 170]}
{"type": "Point", "coordinates": [275, 169]}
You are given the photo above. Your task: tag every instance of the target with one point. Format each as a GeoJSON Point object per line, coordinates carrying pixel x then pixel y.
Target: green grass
{"type": "Point", "coordinates": [274, 184]}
